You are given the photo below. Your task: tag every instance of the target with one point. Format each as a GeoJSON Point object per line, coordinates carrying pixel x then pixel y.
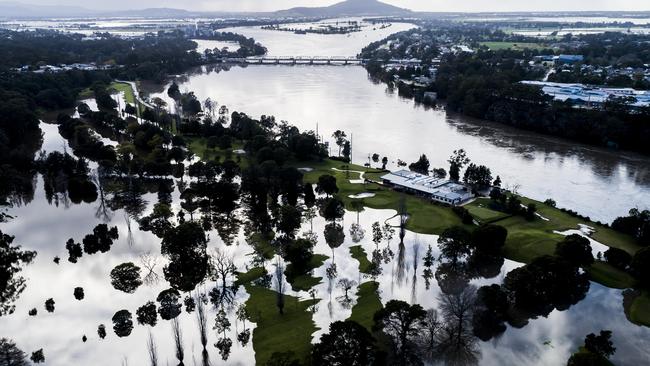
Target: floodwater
{"type": "Point", "coordinates": [280, 43]}
{"type": "Point", "coordinates": [597, 182]}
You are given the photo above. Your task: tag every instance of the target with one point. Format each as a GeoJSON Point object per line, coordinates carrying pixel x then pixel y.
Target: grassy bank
{"type": "Point", "coordinates": [530, 239]}
{"type": "Point", "coordinates": [368, 303]}
{"type": "Point", "coordinates": [360, 255]}
{"type": "Point", "coordinates": [426, 217]}
{"type": "Point", "coordinates": [279, 333]}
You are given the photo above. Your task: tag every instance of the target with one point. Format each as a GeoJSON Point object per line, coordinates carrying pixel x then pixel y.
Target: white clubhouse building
{"type": "Point", "coordinates": [436, 189]}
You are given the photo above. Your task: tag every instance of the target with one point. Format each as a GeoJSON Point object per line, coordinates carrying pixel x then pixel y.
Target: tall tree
{"type": "Point", "coordinates": [403, 323]}
{"type": "Point", "coordinates": [421, 166]}
{"type": "Point", "coordinates": [11, 262]}
{"type": "Point", "coordinates": [346, 344]}
{"type": "Point", "coordinates": [456, 163]}
{"type": "Point", "coordinates": [340, 138]}
{"type": "Point", "coordinates": [576, 249]}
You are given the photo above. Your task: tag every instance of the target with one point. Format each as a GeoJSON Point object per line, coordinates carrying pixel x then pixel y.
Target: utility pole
{"type": "Point", "coordinates": [351, 138]}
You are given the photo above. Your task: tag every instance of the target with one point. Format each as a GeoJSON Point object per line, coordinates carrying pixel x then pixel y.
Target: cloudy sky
{"type": "Point", "coordinates": [419, 5]}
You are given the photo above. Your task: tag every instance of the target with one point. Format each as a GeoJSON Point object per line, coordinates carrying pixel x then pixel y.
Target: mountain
{"type": "Point", "coordinates": [346, 8]}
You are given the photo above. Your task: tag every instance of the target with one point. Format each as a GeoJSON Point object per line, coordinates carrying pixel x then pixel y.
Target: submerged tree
{"type": "Point", "coordinates": [456, 343]}
{"type": "Point", "coordinates": [279, 286]}
{"type": "Point", "coordinates": [152, 350]}
{"type": "Point", "coordinates": [547, 283]}
{"type": "Point", "coordinates": [101, 331]}
{"type": "Point", "coordinates": [74, 251]}
{"type": "Point", "coordinates": [347, 343]}
{"type": "Point", "coordinates": [244, 336]}
{"type": "Point", "coordinates": [170, 307]}
{"type": "Point", "coordinates": [429, 260]}
{"type": "Point", "coordinates": [429, 336]}
{"type": "Point", "coordinates": [100, 240]}
{"type": "Point", "coordinates": [202, 319]}
{"type": "Point", "coordinates": [126, 277]}
{"type": "Point", "coordinates": [147, 315]}
{"type": "Point", "coordinates": [178, 341]}
{"type": "Point", "coordinates": [122, 323]}
{"type": "Point", "coordinates": [79, 293]}
{"type": "Point", "coordinates": [37, 356]}
{"type": "Point", "coordinates": [185, 246]}
{"type": "Point", "coordinates": [11, 355]}
{"type": "Point", "coordinates": [223, 269]}
{"type": "Point", "coordinates": [600, 344]}
{"type": "Point", "coordinates": [11, 262]}
{"type": "Point", "coordinates": [334, 236]}
{"type": "Point", "coordinates": [403, 323]}
{"type": "Point", "coordinates": [49, 305]}
{"type": "Point", "coordinates": [149, 262]}
{"type": "Point", "coordinates": [221, 326]}
{"type": "Point", "coordinates": [346, 285]}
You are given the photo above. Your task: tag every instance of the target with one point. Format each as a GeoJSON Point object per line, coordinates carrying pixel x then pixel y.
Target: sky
{"type": "Point", "coordinates": [418, 5]}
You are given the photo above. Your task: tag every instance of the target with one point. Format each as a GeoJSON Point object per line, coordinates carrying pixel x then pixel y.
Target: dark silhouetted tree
{"type": "Point", "coordinates": [126, 277]}
{"type": "Point", "coordinates": [11, 355]}
{"type": "Point", "coordinates": [600, 344]}
{"type": "Point", "coordinates": [575, 249]}
{"type": "Point", "coordinates": [79, 293]}
{"type": "Point", "coordinates": [170, 307]}
{"type": "Point", "coordinates": [122, 323]}
{"type": "Point", "coordinates": [403, 323]}
{"type": "Point", "coordinates": [421, 166]}
{"type": "Point", "coordinates": [12, 259]}
{"type": "Point", "coordinates": [347, 343]}
{"type": "Point", "coordinates": [327, 185]}
{"type": "Point", "coordinates": [147, 315]}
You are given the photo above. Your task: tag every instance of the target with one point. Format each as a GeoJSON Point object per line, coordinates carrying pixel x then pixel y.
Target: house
{"type": "Point", "coordinates": [435, 189]}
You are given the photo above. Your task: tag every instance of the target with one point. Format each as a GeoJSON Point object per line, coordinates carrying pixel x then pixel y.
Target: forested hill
{"type": "Point", "coordinates": [347, 8]}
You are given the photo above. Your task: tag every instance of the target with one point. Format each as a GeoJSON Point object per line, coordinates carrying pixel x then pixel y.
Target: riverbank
{"type": "Point", "coordinates": [526, 240]}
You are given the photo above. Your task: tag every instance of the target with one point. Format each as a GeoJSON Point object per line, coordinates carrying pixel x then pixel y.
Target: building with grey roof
{"type": "Point", "coordinates": [435, 189]}
{"type": "Point", "coordinates": [581, 94]}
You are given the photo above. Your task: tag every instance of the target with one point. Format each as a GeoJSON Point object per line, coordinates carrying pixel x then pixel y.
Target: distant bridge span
{"type": "Point", "coordinates": [312, 60]}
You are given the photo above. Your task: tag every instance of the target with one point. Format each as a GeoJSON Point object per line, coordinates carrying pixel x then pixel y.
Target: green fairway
{"type": "Point", "coordinates": [426, 217]}
{"type": "Point", "coordinates": [609, 276]}
{"type": "Point", "coordinates": [368, 303]}
{"type": "Point", "coordinates": [279, 333]}
{"type": "Point", "coordinates": [199, 146]}
{"type": "Point", "coordinates": [244, 278]}
{"type": "Point", "coordinates": [640, 309]}
{"type": "Point", "coordinates": [530, 239]}
{"type": "Point", "coordinates": [304, 282]}
{"type": "Point", "coordinates": [125, 88]}
{"type": "Point", "coordinates": [360, 255]}
{"type": "Point", "coordinates": [483, 214]}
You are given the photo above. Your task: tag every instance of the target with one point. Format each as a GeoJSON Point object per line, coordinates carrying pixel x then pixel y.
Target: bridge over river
{"type": "Point", "coordinates": [314, 60]}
